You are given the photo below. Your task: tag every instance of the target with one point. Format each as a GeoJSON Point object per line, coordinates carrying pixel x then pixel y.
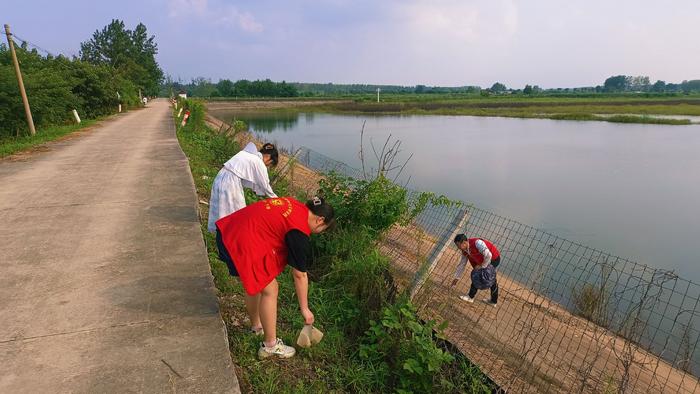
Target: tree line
{"type": "Point", "coordinates": [613, 84]}
{"type": "Point", "coordinates": [201, 87]}
{"type": "Point", "coordinates": [627, 83]}
{"type": "Point", "coordinates": [113, 66]}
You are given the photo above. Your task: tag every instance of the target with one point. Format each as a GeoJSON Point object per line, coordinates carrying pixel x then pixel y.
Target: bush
{"type": "Point", "coordinates": [55, 86]}
{"type": "Point", "coordinates": [404, 347]}
{"type": "Point", "coordinates": [590, 302]}
{"type": "Point", "coordinates": [374, 205]}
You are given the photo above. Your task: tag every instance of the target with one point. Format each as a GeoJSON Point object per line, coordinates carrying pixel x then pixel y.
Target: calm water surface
{"type": "Point", "coordinates": [631, 190]}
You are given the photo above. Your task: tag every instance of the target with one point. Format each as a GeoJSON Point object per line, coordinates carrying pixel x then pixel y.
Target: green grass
{"type": "Point", "coordinates": [635, 108]}
{"type": "Point", "coordinates": [646, 119]}
{"type": "Point", "coordinates": [9, 146]}
{"type": "Point", "coordinates": [643, 119]}
{"type": "Point", "coordinates": [346, 291]}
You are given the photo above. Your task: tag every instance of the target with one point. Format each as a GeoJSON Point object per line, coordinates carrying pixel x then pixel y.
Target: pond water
{"type": "Point", "coordinates": [628, 189]}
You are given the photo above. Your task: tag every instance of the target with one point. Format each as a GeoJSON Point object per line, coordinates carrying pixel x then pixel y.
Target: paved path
{"type": "Point", "coordinates": [104, 280]}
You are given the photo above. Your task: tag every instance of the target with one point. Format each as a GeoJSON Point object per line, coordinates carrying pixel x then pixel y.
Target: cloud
{"type": "Point", "coordinates": [510, 17]}
{"type": "Point", "coordinates": [215, 13]}
{"type": "Point", "coordinates": [457, 21]}
{"type": "Point", "coordinates": [178, 8]}
{"type": "Point", "coordinates": [245, 21]}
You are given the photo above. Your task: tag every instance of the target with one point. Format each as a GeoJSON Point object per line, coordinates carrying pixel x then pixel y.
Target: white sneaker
{"type": "Point", "coordinates": [466, 298]}
{"type": "Point", "coordinates": [280, 350]}
{"type": "Point", "coordinates": [488, 301]}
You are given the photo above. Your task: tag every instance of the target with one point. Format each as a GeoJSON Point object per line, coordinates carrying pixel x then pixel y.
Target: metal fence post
{"type": "Point", "coordinates": [440, 248]}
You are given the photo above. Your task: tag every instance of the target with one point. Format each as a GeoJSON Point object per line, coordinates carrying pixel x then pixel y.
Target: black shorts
{"type": "Point", "coordinates": [224, 255]}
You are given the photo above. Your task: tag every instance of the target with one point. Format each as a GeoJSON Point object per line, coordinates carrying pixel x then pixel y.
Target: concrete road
{"type": "Point", "coordinates": [104, 280]}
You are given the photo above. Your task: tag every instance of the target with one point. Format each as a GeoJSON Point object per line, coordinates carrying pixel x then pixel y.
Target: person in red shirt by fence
{"type": "Point", "coordinates": [484, 257]}
{"type": "Point", "coordinates": [256, 243]}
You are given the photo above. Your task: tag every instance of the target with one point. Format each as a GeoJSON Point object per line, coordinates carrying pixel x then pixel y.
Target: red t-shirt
{"type": "Point", "coordinates": [255, 238]}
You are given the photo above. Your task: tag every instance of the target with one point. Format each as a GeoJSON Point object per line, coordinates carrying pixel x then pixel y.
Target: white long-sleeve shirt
{"type": "Point", "coordinates": [248, 165]}
{"type": "Point", "coordinates": [483, 249]}
{"type": "Point", "coordinates": [245, 169]}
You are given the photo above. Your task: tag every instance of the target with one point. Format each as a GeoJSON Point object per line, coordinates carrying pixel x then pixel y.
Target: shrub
{"type": "Point", "coordinates": [374, 204]}
{"type": "Point", "coordinates": [405, 349]}
{"type": "Point", "coordinates": [55, 86]}
{"type": "Point", "coordinates": [590, 302]}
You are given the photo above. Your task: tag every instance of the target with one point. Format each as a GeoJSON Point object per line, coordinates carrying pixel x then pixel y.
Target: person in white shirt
{"type": "Point", "coordinates": [247, 168]}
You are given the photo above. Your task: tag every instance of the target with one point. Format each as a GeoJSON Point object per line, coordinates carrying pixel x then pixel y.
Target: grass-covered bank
{"type": "Point", "coordinates": [642, 119]}
{"type": "Point", "coordinates": [623, 109]}
{"type": "Point", "coordinates": [373, 341]}
{"type": "Point", "coordinates": [12, 145]}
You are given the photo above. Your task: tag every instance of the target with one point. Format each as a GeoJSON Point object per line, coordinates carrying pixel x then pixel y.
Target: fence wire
{"type": "Point", "coordinates": [569, 318]}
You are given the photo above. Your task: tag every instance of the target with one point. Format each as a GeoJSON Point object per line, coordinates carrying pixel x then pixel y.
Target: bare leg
{"type": "Point", "coordinates": [268, 312]}
{"type": "Point", "coordinates": [252, 305]}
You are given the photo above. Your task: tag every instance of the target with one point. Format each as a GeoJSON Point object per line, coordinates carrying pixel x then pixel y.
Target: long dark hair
{"type": "Point", "coordinates": [270, 149]}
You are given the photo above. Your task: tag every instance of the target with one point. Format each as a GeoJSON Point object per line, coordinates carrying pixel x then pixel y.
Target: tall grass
{"type": "Point", "coordinates": [642, 119]}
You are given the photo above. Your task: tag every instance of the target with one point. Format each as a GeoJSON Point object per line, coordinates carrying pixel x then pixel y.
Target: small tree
{"type": "Point", "coordinates": [617, 83]}
{"type": "Point", "coordinates": [225, 88]}
{"type": "Point", "coordinates": [527, 90]}
{"type": "Point", "coordinates": [498, 87]}
{"type": "Point", "coordinates": [659, 86]}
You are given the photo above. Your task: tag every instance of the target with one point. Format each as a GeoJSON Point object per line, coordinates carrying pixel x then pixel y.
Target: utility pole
{"type": "Point", "coordinates": [378, 90]}
{"type": "Point", "coordinates": [25, 101]}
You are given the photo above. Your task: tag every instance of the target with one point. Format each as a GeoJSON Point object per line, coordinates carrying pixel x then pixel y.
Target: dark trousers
{"type": "Point", "coordinates": [224, 255]}
{"type": "Point", "coordinates": [494, 291]}
{"type": "Point", "coordinates": [494, 288]}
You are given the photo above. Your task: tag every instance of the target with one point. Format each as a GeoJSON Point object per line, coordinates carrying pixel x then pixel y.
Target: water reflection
{"type": "Point", "coordinates": [269, 122]}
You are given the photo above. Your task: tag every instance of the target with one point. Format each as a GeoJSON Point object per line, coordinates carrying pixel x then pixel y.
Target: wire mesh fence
{"type": "Point", "coordinates": [569, 318]}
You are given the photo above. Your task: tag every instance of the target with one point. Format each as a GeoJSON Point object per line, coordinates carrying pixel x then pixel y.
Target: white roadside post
{"type": "Point", "coordinates": [75, 115]}
{"type": "Point", "coordinates": [119, 97]}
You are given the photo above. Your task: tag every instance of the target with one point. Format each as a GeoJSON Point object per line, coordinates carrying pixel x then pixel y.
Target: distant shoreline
{"type": "Point", "coordinates": [671, 111]}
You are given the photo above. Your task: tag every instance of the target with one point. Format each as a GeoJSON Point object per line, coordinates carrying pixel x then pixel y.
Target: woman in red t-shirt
{"type": "Point", "coordinates": [256, 243]}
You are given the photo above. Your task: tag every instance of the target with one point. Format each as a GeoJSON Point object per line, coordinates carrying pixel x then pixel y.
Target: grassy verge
{"type": "Point", "coordinates": [374, 341]}
{"type": "Point", "coordinates": [13, 145]}
{"type": "Point", "coordinates": [624, 109]}
{"type": "Point", "coordinates": [641, 119]}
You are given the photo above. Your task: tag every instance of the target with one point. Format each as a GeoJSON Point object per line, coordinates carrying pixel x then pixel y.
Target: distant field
{"type": "Point", "coordinates": [631, 108]}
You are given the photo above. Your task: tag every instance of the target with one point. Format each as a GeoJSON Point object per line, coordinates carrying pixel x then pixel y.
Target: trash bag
{"type": "Point", "coordinates": [484, 278]}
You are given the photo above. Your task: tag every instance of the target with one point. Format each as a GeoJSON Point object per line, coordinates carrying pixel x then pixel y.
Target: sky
{"type": "Point", "coordinates": [550, 43]}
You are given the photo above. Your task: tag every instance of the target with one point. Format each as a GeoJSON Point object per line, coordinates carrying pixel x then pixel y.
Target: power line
{"type": "Point", "coordinates": [39, 47]}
